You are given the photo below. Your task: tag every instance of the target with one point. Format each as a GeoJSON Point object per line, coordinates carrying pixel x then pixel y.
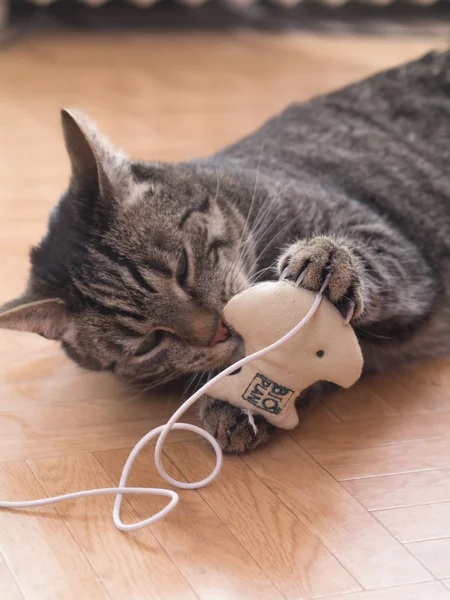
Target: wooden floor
{"type": "Point", "coordinates": [354, 504]}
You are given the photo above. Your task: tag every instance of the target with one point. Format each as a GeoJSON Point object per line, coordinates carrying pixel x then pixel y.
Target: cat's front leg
{"type": "Point", "coordinates": [312, 262]}
{"type": "Point", "coordinates": [231, 427]}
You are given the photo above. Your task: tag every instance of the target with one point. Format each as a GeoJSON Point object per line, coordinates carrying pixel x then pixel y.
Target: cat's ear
{"type": "Point", "coordinates": [46, 317]}
{"type": "Point", "coordinates": [85, 147]}
{"type": "Point", "coordinates": [82, 157]}
{"type": "Point", "coordinates": [96, 164]}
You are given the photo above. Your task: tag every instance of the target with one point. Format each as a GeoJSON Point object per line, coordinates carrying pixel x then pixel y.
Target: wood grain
{"type": "Point", "coordinates": [9, 589]}
{"type": "Point", "coordinates": [39, 548]}
{"type": "Point", "coordinates": [421, 591]}
{"type": "Point", "coordinates": [373, 432]}
{"type": "Point", "coordinates": [434, 554]}
{"type": "Point", "coordinates": [415, 523]}
{"type": "Point", "coordinates": [296, 562]}
{"type": "Point", "coordinates": [315, 415]}
{"type": "Point", "coordinates": [385, 460]}
{"type": "Point", "coordinates": [209, 556]}
{"type": "Point", "coordinates": [359, 402]}
{"type": "Point", "coordinates": [418, 391]}
{"type": "Point", "coordinates": [131, 565]}
{"type": "Point", "coordinates": [392, 491]}
{"type": "Point", "coordinates": [68, 440]}
{"type": "Point", "coordinates": [367, 551]}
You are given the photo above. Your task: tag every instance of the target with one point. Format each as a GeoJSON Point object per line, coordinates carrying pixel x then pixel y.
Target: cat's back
{"type": "Point", "coordinates": [384, 141]}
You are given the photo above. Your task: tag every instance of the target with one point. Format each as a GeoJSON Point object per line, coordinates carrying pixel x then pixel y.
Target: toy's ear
{"type": "Point", "coordinates": [248, 312]}
{"type": "Point", "coordinates": [243, 311]}
{"type": "Point", "coordinates": [46, 317]}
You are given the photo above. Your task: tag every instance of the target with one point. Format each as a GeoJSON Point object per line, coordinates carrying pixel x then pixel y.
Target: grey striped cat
{"type": "Point", "coordinates": [140, 257]}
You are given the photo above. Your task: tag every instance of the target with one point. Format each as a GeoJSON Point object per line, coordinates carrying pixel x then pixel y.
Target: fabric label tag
{"type": "Point", "coordinates": [267, 395]}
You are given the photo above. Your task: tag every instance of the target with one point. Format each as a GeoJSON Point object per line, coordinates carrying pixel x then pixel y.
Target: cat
{"type": "Point", "coordinates": [140, 257]}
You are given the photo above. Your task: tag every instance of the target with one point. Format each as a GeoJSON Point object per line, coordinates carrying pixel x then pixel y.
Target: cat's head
{"type": "Point", "coordinates": [137, 264]}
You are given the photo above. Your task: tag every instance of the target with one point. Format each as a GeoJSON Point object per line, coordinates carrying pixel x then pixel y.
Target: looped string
{"type": "Point", "coordinates": [163, 431]}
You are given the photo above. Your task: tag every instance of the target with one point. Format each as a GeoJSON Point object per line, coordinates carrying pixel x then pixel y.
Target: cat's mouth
{"type": "Point", "coordinates": [229, 351]}
{"type": "Point", "coordinates": [222, 334]}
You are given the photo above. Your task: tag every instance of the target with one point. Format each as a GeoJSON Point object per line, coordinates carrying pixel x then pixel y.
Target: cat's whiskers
{"type": "Point", "coordinates": [273, 240]}
{"type": "Point", "coordinates": [255, 276]}
{"type": "Point", "coordinates": [374, 335]}
{"type": "Point", "coordinates": [138, 388]}
{"type": "Point", "coordinates": [243, 241]}
{"type": "Point", "coordinates": [246, 246]}
{"type": "Point", "coordinates": [233, 276]}
{"type": "Point", "coordinates": [265, 211]}
{"type": "Point", "coordinates": [248, 217]}
{"type": "Point", "coordinates": [254, 238]}
{"type": "Point", "coordinates": [258, 230]}
{"type": "Point", "coordinates": [187, 386]}
{"type": "Point", "coordinates": [149, 385]}
{"type": "Point", "coordinates": [192, 384]}
{"type": "Point", "coordinates": [247, 220]}
{"type": "Point", "coordinates": [218, 185]}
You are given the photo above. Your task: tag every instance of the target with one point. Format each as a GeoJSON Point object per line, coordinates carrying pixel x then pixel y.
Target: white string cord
{"type": "Point", "coordinates": [163, 431]}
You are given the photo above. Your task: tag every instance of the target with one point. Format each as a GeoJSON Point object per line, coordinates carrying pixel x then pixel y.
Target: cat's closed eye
{"type": "Point", "coordinates": [150, 342]}
{"type": "Point", "coordinates": [183, 270]}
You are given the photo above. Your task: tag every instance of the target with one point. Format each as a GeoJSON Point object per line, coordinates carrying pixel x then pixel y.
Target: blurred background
{"type": "Point", "coordinates": [389, 17]}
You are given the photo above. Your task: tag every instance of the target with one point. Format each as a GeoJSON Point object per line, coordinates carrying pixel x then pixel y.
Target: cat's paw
{"type": "Point", "coordinates": [231, 427]}
{"type": "Point", "coordinates": [310, 262]}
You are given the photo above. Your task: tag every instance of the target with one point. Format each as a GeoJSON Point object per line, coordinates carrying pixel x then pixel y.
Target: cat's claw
{"type": "Point", "coordinates": [323, 263]}
{"type": "Point", "coordinates": [302, 276]}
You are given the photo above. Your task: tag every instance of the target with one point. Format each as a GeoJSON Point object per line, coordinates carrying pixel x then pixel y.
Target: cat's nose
{"type": "Point", "coordinates": [221, 335]}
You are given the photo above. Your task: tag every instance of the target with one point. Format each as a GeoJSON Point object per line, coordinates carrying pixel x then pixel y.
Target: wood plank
{"type": "Point", "coordinates": [315, 416]}
{"type": "Point", "coordinates": [208, 555]}
{"type": "Point", "coordinates": [37, 543]}
{"type": "Point", "coordinates": [391, 491]}
{"type": "Point", "coordinates": [434, 555]}
{"type": "Point", "coordinates": [79, 391]}
{"type": "Point", "coordinates": [91, 412]}
{"type": "Point", "coordinates": [358, 402]}
{"type": "Point", "coordinates": [9, 590]}
{"type": "Point", "coordinates": [433, 590]}
{"type": "Point", "coordinates": [415, 523]}
{"type": "Point", "coordinates": [69, 440]}
{"type": "Point", "coordinates": [386, 460]}
{"type": "Point", "coordinates": [415, 391]}
{"type": "Point", "coordinates": [38, 375]}
{"type": "Point", "coordinates": [130, 565]}
{"type": "Point", "coordinates": [48, 406]}
{"type": "Point", "coordinates": [364, 548]}
{"type": "Point", "coordinates": [296, 562]}
{"type": "Point", "coordinates": [374, 432]}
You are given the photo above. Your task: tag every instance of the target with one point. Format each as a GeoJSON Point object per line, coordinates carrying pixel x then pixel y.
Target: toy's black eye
{"type": "Point", "coordinates": [320, 353]}
{"type": "Point", "coordinates": [150, 342]}
{"type": "Point", "coordinates": [182, 270]}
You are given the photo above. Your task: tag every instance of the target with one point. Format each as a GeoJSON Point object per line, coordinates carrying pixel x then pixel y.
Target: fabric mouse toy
{"type": "Point", "coordinates": [326, 349]}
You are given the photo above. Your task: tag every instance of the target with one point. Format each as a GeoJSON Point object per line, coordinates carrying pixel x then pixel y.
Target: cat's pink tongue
{"type": "Point", "coordinates": [221, 335]}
